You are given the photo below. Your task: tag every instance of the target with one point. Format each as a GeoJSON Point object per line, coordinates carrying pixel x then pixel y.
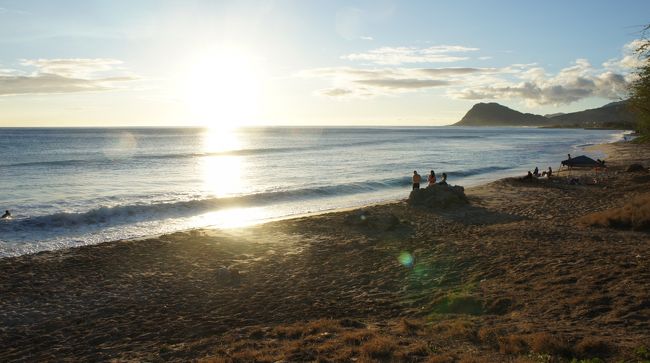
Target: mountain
{"type": "Point", "coordinates": [494, 114]}
{"type": "Point", "coordinates": [615, 115]}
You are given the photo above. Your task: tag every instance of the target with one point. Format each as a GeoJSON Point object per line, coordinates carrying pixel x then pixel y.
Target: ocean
{"type": "Point", "coordinates": [71, 186]}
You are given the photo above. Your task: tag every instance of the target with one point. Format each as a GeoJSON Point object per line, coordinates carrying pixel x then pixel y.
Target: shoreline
{"type": "Point", "coordinates": [479, 184]}
{"type": "Point", "coordinates": [511, 274]}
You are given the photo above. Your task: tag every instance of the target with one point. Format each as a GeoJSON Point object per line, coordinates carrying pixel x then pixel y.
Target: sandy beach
{"type": "Point", "coordinates": [521, 273]}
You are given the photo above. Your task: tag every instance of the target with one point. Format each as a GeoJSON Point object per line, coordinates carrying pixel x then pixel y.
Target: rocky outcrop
{"type": "Point", "coordinates": [438, 196]}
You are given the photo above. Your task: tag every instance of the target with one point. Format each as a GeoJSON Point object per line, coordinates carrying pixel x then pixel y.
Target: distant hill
{"type": "Point", "coordinates": [494, 114]}
{"type": "Point", "coordinates": [615, 115]}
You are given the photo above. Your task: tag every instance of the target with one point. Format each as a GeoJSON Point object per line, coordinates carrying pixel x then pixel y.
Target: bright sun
{"type": "Point", "coordinates": [222, 90]}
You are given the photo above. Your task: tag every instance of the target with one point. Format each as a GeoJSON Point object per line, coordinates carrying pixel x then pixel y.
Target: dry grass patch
{"type": "Point", "coordinates": [357, 337]}
{"type": "Point", "coordinates": [489, 336]}
{"type": "Point", "coordinates": [458, 330]}
{"type": "Point", "coordinates": [289, 331]}
{"type": "Point", "coordinates": [409, 327]}
{"type": "Point", "coordinates": [323, 326]}
{"type": "Point", "coordinates": [513, 344]}
{"type": "Point", "coordinates": [380, 348]}
{"type": "Point", "coordinates": [635, 214]}
{"type": "Point", "coordinates": [549, 344]}
{"type": "Point", "coordinates": [414, 352]}
{"type": "Point", "coordinates": [590, 347]}
{"type": "Point", "coordinates": [441, 358]}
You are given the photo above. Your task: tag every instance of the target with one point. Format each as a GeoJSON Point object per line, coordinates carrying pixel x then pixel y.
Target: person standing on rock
{"type": "Point", "coordinates": [416, 180]}
{"type": "Point", "coordinates": [432, 178]}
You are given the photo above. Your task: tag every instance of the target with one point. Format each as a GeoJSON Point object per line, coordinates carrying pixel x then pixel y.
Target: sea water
{"type": "Point", "coordinates": [69, 186]}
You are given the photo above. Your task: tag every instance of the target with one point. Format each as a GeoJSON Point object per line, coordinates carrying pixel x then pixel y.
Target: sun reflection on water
{"type": "Point", "coordinates": [223, 176]}
{"type": "Point", "coordinates": [222, 171]}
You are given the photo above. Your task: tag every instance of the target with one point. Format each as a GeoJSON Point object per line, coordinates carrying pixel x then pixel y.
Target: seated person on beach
{"type": "Point", "coordinates": [6, 215]}
{"type": "Point", "coordinates": [536, 172]}
{"type": "Point", "coordinates": [548, 173]}
{"type": "Point", "coordinates": [528, 176]}
{"type": "Point", "coordinates": [432, 178]}
{"type": "Point", "coordinates": [416, 180]}
{"type": "Point", "coordinates": [444, 179]}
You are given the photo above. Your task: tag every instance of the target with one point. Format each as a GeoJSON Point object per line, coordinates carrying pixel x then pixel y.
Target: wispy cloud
{"type": "Point", "coordinates": [369, 82]}
{"type": "Point", "coordinates": [63, 76]}
{"type": "Point", "coordinates": [73, 67]}
{"type": "Point", "coordinates": [404, 83]}
{"type": "Point", "coordinates": [404, 55]}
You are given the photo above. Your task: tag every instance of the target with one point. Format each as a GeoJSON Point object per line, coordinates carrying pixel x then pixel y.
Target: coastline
{"type": "Point", "coordinates": [509, 274]}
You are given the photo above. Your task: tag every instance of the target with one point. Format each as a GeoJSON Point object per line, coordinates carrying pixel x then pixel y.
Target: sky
{"type": "Point", "coordinates": [243, 63]}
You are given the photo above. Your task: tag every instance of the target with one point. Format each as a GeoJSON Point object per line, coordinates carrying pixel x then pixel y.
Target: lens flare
{"type": "Point", "coordinates": [406, 259]}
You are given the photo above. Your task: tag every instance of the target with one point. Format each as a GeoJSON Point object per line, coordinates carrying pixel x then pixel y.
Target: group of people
{"type": "Point", "coordinates": [431, 179]}
{"type": "Point", "coordinates": [536, 174]}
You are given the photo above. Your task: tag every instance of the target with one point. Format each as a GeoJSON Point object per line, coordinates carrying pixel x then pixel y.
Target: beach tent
{"type": "Point", "coordinates": [581, 161]}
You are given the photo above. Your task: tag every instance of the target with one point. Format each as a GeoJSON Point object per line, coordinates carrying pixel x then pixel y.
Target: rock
{"type": "Point", "coordinates": [635, 168]}
{"type": "Point", "coordinates": [438, 196]}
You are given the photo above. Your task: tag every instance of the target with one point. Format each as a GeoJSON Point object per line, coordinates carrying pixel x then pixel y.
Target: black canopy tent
{"type": "Point", "coordinates": [581, 161]}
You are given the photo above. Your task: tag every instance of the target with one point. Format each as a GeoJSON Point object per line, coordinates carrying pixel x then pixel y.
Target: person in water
{"type": "Point", "coordinates": [6, 215]}
{"type": "Point", "coordinates": [416, 180]}
{"type": "Point", "coordinates": [444, 179]}
{"type": "Point", "coordinates": [432, 178]}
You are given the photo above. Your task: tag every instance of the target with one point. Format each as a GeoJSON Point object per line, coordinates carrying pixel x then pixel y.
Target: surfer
{"type": "Point", "coordinates": [6, 215]}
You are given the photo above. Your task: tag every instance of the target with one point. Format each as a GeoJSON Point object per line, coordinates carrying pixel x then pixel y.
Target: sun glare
{"type": "Point", "coordinates": [222, 171]}
{"type": "Point", "coordinates": [222, 89]}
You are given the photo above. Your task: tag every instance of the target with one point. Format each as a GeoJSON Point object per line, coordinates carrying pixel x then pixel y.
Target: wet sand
{"type": "Point", "coordinates": [513, 276]}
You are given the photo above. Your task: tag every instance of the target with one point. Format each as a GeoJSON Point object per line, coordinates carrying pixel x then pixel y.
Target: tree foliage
{"type": "Point", "coordinates": [640, 88]}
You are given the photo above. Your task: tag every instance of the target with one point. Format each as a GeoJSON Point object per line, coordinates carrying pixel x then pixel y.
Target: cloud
{"type": "Point", "coordinates": [530, 83]}
{"type": "Point", "coordinates": [63, 76]}
{"type": "Point", "coordinates": [630, 60]}
{"type": "Point", "coordinates": [536, 87]}
{"type": "Point", "coordinates": [366, 37]}
{"type": "Point", "coordinates": [73, 67]}
{"type": "Point", "coordinates": [403, 83]}
{"type": "Point", "coordinates": [336, 92]}
{"type": "Point", "coordinates": [403, 55]}
{"type": "Point", "coordinates": [454, 71]}
{"type": "Point", "coordinates": [369, 82]}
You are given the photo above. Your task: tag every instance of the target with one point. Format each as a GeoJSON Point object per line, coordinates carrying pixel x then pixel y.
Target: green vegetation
{"type": "Point", "coordinates": [640, 88]}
